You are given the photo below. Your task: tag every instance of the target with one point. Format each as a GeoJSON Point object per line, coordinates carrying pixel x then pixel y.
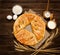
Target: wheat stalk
{"type": "Point", "coordinates": [18, 45]}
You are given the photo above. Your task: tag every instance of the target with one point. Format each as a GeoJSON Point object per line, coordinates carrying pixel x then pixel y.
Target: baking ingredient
{"type": "Point", "coordinates": [9, 17]}
{"type": "Point", "coordinates": [51, 25]}
{"type": "Point", "coordinates": [17, 9]}
{"type": "Point", "coordinates": [14, 17]}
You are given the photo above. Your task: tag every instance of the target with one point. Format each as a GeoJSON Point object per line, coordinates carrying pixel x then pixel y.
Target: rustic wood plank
{"type": "Point", "coordinates": [7, 29]}
{"type": "Point", "coordinates": [30, 1]}
{"type": "Point", "coordinates": [31, 5]}
{"type": "Point", "coordinates": [14, 53]}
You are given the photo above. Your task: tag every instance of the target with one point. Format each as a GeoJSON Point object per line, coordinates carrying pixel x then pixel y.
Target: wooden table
{"type": "Point", "coordinates": [6, 36]}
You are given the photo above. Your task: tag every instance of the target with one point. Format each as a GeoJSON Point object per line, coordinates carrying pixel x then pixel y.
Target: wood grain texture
{"type": "Point", "coordinates": [6, 36]}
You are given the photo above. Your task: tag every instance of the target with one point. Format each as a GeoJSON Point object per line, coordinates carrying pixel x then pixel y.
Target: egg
{"type": "Point", "coordinates": [14, 17]}
{"type": "Point", "coordinates": [46, 14]}
{"type": "Point", "coordinates": [9, 17]}
{"type": "Point", "coordinates": [51, 25]}
{"type": "Point", "coordinates": [17, 9]}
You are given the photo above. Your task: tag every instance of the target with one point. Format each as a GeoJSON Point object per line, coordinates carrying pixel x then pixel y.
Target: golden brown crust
{"type": "Point", "coordinates": [22, 21]}
{"type": "Point", "coordinates": [38, 27]}
{"type": "Point", "coordinates": [24, 36]}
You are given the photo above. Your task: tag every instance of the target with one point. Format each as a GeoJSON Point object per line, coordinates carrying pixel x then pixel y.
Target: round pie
{"type": "Point", "coordinates": [24, 36]}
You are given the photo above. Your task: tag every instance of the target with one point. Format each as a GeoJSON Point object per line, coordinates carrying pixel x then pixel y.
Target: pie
{"type": "Point", "coordinates": [24, 36]}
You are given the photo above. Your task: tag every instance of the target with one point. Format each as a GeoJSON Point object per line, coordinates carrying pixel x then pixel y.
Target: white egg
{"type": "Point", "coordinates": [51, 24]}
{"type": "Point", "coordinates": [9, 17]}
{"type": "Point", "coordinates": [14, 17]}
{"type": "Point", "coordinates": [47, 14]}
{"type": "Point", "coordinates": [17, 9]}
